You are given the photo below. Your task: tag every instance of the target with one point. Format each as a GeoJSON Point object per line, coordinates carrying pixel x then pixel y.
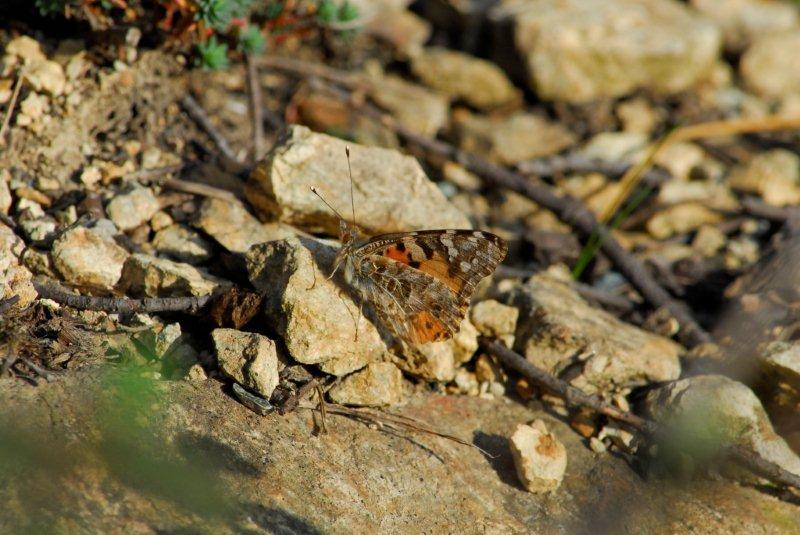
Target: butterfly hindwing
{"type": "Point", "coordinates": [415, 306]}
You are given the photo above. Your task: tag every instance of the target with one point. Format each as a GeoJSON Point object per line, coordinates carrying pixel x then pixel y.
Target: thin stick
{"type": "Point", "coordinates": [292, 402]}
{"type": "Point", "coordinates": [196, 188]}
{"type": "Point", "coordinates": [256, 107]}
{"type": "Point", "coordinates": [38, 370]}
{"type": "Point", "coordinates": [11, 105]}
{"type": "Point", "coordinates": [350, 172]}
{"type": "Point", "coordinates": [198, 114]}
{"type": "Point", "coordinates": [576, 163]}
{"type": "Point", "coordinates": [323, 411]}
{"type": "Point", "coordinates": [575, 397]}
{"type": "Point", "coordinates": [120, 305]}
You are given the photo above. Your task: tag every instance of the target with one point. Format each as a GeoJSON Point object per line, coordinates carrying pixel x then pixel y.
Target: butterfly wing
{"type": "Point", "coordinates": [429, 277]}
{"type": "Point", "coordinates": [416, 307]}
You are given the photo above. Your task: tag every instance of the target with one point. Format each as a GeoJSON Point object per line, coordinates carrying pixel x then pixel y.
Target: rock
{"type": "Point", "coordinates": [234, 228]}
{"type": "Point", "coordinates": [15, 279]}
{"type": "Point", "coordinates": [380, 384]}
{"type": "Point", "coordinates": [556, 326]}
{"type": "Point", "coordinates": [771, 66]}
{"type": "Point", "coordinates": [477, 82]}
{"type": "Point", "coordinates": [5, 196]}
{"type": "Point", "coordinates": [464, 342]}
{"type": "Point", "coordinates": [85, 257]}
{"type": "Point", "coordinates": [314, 317]}
{"type": "Point", "coordinates": [614, 146]}
{"type": "Point", "coordinates": [415, 107]}
{"type": "Point", "coordinates": [25, 48]}
{"type": "Point", "coordinates": [519, 137]}
{"type": "Point", "coordinates": [248, 358]}
{"type": "Point", "coordinates": [437, 361]}
{"type": "Point", "coordinates": [709, 240]}
{"type": "Point", "coordinates": [710, 193]}
{"type": "Point", "coordinates": [783, 359]}
{"type": "Point", "coordinates": [404, 29]}
{"type": "Point", "coordinates": [177, 355]}
{"type": "Point", "coordinates": [130, 209]}
{"type": "Point", "coordinates": [774, 175]}
{"type": "Point", "coordinates": [638, 116]}
{"type": "Point", "coordinates": [539, 457]}
{"type": "Point", "coordinates": [581, 50]}
{"type": "Point", "coordinates": [681, 218]}
{"type": "Point", "coordinates": [47, 76]}
{"type": "Point", "coordinates": [742, 21]}
{"type": "Point", "coordinates": [711, 411]}
{"type": "Point", "coordinates": [392, 193]}
{"type": "Point", "coordinates": [34, 106]}
{"type": "Point", "coordinates": [495, 320]}
{"type": "Point", "coordinates": [147, 276]}
{"type": "Point", "coordinates": [183, 244]}
{"type": "Point", "coordinates": [160, 220]}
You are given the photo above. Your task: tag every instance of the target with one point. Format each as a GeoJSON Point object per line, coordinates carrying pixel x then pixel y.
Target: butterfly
{"type": "Point", "coordinates": [419, 283]}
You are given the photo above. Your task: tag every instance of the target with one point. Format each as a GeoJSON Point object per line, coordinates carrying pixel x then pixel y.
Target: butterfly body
{"type": "Point", "coordinates": [420, 282]}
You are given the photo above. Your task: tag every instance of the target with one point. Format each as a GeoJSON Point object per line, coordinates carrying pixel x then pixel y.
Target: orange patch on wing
{"type": "Point", "coordinates": [439, 268]}
{"type": "Point", "coordinates": [396, 254]}
{"type": "Point", "coordinates": [428, 329]}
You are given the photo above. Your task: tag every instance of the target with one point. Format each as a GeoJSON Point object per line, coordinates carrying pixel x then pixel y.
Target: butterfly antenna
{"type": "Point", "coordinates": [315, 192]}
{"type": "Point", "coordinates": [350, 172]}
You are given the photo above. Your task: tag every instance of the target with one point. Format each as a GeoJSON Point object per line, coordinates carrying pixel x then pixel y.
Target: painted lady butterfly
{"type": "Point", "coordinates": [420, 283]}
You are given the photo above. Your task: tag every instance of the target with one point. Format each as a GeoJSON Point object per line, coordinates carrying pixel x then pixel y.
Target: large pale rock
{"type": "Point", "coordinates": [47, 76]}
{"type": "Point", "coordinates": [314, 316]}
{"type": "Point", "coordinates": [130, 209]}
{"type": "Point", "coordinates": [147, 276]}
{"type": "Point", "coordinates": [15, 279]}
{"type": "Point", "coordinates": [392, 193]}
{"type": "Point", "coordinates": [558, 330]}
{"type": "Point", "coordinates": [520, 137]}
{"type": "Point", "coordinates": [379, 384]}
{"type": "Point", "coordinates": [539, 457]}
{"type": "Point", "coordinates": [716, 410]}
{"type": "Point", "coordinates": [233, 227]}
{"type": "Point", "coordinates": [783, 359]}
{"type": "Point", "coordinates": [248, 358]}
{"type": "Point", "coordinates": [774, 175]}
{"type": "Point", "coordinates": [495, 320]}
{"type": "Point", "coordinates": [477, 82]}
{"type": "Point", "coordinates": [771, 66]}
{"type": "Point", "coordinates": [580, 50]}
{"type": "Point", "coordinates": [88, 257]}
{"type": "Point", "coordinates": [742, 21]}
{"type": "Point", "coordinates": [681, 218]}
{"type": "Point", "coordinates": [25, 48]}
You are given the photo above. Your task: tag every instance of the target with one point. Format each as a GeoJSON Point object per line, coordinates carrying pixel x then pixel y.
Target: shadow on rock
{"type": "Point", "coordinates": [499, 457]}
{"type": "Point", "coordinates": [279, 521]}
{"type": "Point", "coordinates": [216, 452]}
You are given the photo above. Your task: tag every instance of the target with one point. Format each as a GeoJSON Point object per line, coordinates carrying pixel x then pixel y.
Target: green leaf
{"type": "Point", "coordinates": [212, 54]}
{"type": "Point", "coordinates": [327, 11]}
{"type": "Point", "coordinates": [348, 12]}
{"type": "Point", "coordinates": [251, 40]}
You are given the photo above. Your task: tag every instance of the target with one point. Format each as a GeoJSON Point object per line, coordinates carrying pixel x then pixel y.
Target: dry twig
{"type": "Point", "coordinates": [12, 103]}
{"type": "Point", "coordinates": [198, 114]}
{"type": "Point", "coordinates": [575, 397]}
{"type": "Point", "coordinates": [120, 305]}
{"type": "Point", "coordinates": [256, 107]}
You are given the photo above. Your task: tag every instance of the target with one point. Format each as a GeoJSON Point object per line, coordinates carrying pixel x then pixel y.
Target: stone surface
{"type": "Point", "coordinates": [477, 82]}
{"type": "Point", "coordinates": [130, 209]}
{"type": "Point", "coordinates": [47, 76]}
{"type": "Point", "coordinates": [250, 359]}
{"type": "Point", "coordinates": [380, 384]}
{"type": "Point", "coordinates": [540, 458]}
{"type": "Point", "coordinates": [15, 279]}
{"type": "Point", "coordinates": [88, 257]}
{"type": "Point", "coordinates": [519, 137]}
{"type": "Point", "coordinates": [147, 276]}
{"type": "Point", "coordinates": [233, 227]}
{"type": "Point", "coordinates": [742, 21]}
{"type": "Point", "coordinates": [392, 193]}
{"type": "Point", "coordinates": [26, 48]}
{"type": "Point", "coordinates": [558, 330]}
{"type": "Point", "coordinates": [717, 410]}
{"type": "Point", "coordinates": [495, 320]}
{"type": "Point", "coordinates": [5, 196]}
{"type": "Point", "coordinates": [771, 66]}
{"type": "Point", "coordinates": [415, 107]}
{"type": "Point", "coordinates": [783, 359]}
{"type": "Point", "coordinates": [313, 315]}
{"type": "Point", "coordinates": [774, 175]}
{"type": "Point", "coordinates": [182, 244]}
{"type": "Point", "coordinates": [580, 50]}
{"type": "Point", "coordinates": [681, 218]}
{"type": "Point", "coordinates": [273, 474]}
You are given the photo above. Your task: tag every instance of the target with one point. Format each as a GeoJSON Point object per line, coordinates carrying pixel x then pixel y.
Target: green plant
{"type": "Point", "coordinates": [251, 40]}
{"type": "Point", "coordinates": [212, 54]}
{"type": "Point", "coordinates": [50, 7]}
{"type": "Point", "coordinates": [218, 14]}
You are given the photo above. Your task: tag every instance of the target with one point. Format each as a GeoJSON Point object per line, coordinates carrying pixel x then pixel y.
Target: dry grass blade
{"type": "Point", "coordinates": [397, 422]}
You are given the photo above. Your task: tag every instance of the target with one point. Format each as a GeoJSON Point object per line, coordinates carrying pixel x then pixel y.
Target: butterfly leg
{"type": "Point", "coordinates": [339, 294]}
